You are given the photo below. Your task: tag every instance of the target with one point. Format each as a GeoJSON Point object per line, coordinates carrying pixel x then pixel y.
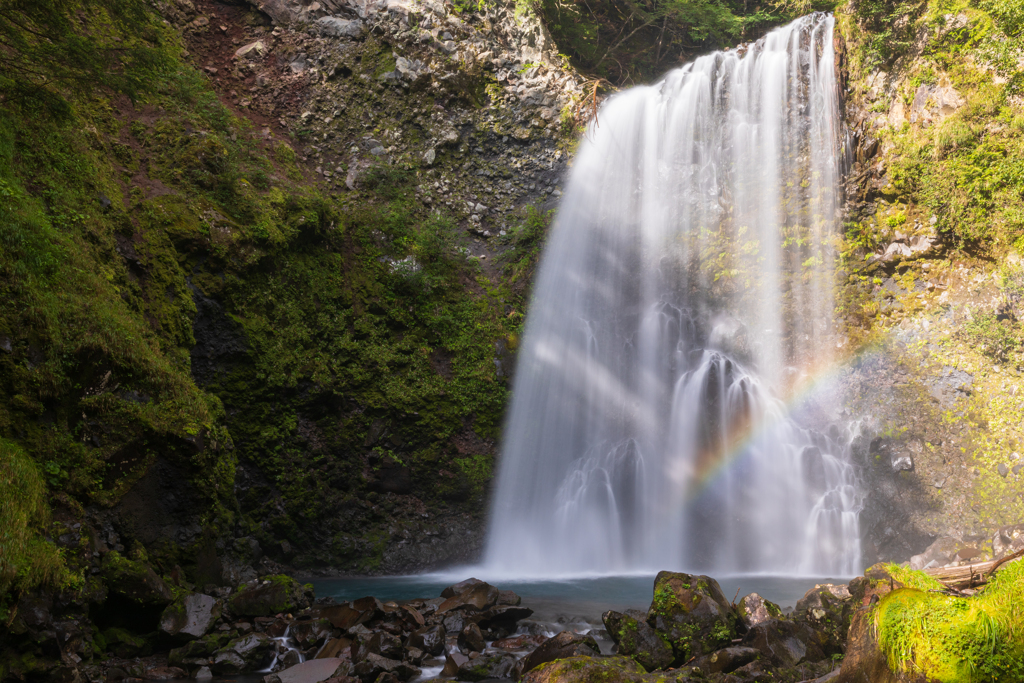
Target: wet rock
{"type": "Point", "coordinates": [564, 645]}
{"type": "Point", "coordinates": [823, 596]}
{"type": "Point", "coordinates": [314, 671]}
{"type": "Point", "coordinates": [864, 661]}
{"type": "Point", "coordinates": [309, 632]}
{"type": "Point", "coordinates": [248, 653]}
{"type": "Point", "coordinates": [336, 647]}
{"type": "Point", "coordinates": [726, 660]}
{"type": "Point", "coordinates": [637, 640]}
{"type": "Point", "coordinates": [349, 614]}
{"type": "Point", "coordinates": [460, 587]}
{"type": "Point", "coordinates": [690, 611]}
{"type": "Point", "coordinates": [203, 673]}
{"type": "Point", "coordinates": [378, 643]}
{"type": "Point", "coordinates": [502, 618]}
{"type": "Point", "coordinates": [478, 597]}
{"type": "Point", "coordinates": [135, 580]}
{"type": "Point", "coordinates": [452, 662]}
{"type": "Point", "coordinates": [487, 667]}
{"type": "Point", "coordinates": [164, 673]}
{"type": "Point", "coordinates": [588, 670]}
{"type": "Point", "coordinates": [519, 642]}
{"type": "Point", "coordinates": [429, 639]}
{"type": "Point", "coordinates": [754, 610]}
{"type": "Point", "coordinates": [509, 598]}
{"type": "Point", "coordinates": [190, 617]}
{"type": "Point", "coordinates": [270, 596]}
{"type": "Point", "coordinates": [373, 666]}
{"type": "Point", "coordinates": [471, 639]}
{"type": "Point", "coordinates": [785, 643]}
{"type": "Point", "coordinates": [938, 554]}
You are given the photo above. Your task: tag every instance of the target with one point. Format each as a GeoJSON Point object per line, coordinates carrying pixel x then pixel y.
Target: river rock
{"type": "Point", "coordinates": [336, 647]}
{"type": "Point", "coordinates": [509, 598]}
{"type": "Point", "coordinates": [487, 667]}
{"type": "Point", "coordinates": [864, 661]}
{"type": "Point", "coordinates": [938, 554]}
{"type": "Point", "coordinates": [270, 596]}
{"type": "Point", "coordinates": [785, 643]}
{"type": "Point", "coordinates": [190, 617]}
{"type": "Point", "coordinates": [340, 28]}
{"type": "Point", "coordinates": [309, 632]}
{"type": "Point", "coordinates": [564, 645]}
{"type": "Point", "coordinates": [453, 661]}
{"type": "Point", "coordinates": [500, 618]}
{"type": "Point", "coordinates": [478, 597]}
{"type": "Point", "coordinates": [377, 643]}
{"type": "Point", "coordinates": [754, 610]}
{"type": "Point", "coordinates": [690, 612]}
{"type": "Point", "coordinates": [637, 640]}
{"type": "Point", "coordinates": [460, 587]}
{"type": "Point", "coordinates": [523, 640]}
{"type": "Point", "coordinates": [1008, 540]}
{"type": "Point", "coordinates": [471, 639]}
{"type": "Point", "coordinates": [349, 614]}
{"type": "Point", "coordinates": [588, 670]}
{"type": "Point", "coordinates": [726, 660]}
{"type": "Point", "coordinates": [248, 653]}
{"type": "Point", "coordinates": [373, 666]}
{"type": "Point", "coordinates": [314, 671]}
{"type": "Point", "coordinates": [430, 639]}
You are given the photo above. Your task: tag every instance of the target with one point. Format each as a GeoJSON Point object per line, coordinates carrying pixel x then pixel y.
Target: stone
{"type": "Point", "coordinates": [941, 552]}
{"type": "Point", "coordinates": [562, 646]}
{"type": "Point", "coordinates": [690, 611]}
{"type": "Point", "coordinates": [430, 639]}
{"type": "Point", "coordinates": [190, 617]}
{"type": "Point", "coordinates": [373, 666]}
{"type": "Point", "coordinates": [1009, 539]}
{"type": "Point", "coordinates": [754, 610]}
{"type": "Point", "coordinates": [822, 596]}
{"type": "Point", "coordinates": [336, 647]}
{"type": "Point", "coordinates": [164, 673]}
{"type": "Point", "coordinates": [637, 640]}
{"type": "Point", "coordinates": [471, 639]}
{"type": "Point", "coordinates": [588, 670]}
{"type": "Point", "coordinates": [203, 673]}
{"type": "Point", "coordinates": [785, 643]}
{"type": "Point", "coordinates": [902, 462]}
{"type": "Point", "coordinates": [312, 671]}
{"type": "Point", "coordinates": [271, 595]}
{"type": "Point", "coordinates": [479, 597]}
{"type": "Point", "coordinates": [349, 614]}
{"type": "Point", "coordinates": [135, 580]}
{"type": "Point", "coordinates": [501, 617]}
{"type": "Point", "coordinates": [487, 667]}
{"type": "Point", "coordinates": [460, 587]}
{"type": "Point", "coordinates": [377, 643]}
{"type": "Point", "coordinates": [452, 662]}
{"type": "Point", "coordinates": [1003, 470]}
{"type": "Point", "coordinates": [307, 632]}
{"type": "Point", "coordinates": [430, 157]}
{"type": "Point", "coordinates": [257, 48]}
{"type": "Point", "coordinates": [864, 661]}
{"type": "Point", "coordinates": [248, 653]}
{"type": "Point", "coordinates": [518, 642]}
{"type": "Point", "coordinates": [509, 598]}
{"type": "Point", "coordinates": [340, 28]}
{"type": "Point", "coordinates": [726, 660]}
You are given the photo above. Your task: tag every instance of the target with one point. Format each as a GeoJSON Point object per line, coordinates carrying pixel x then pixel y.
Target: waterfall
{"type": "Point", "coordinates": [685, 289]}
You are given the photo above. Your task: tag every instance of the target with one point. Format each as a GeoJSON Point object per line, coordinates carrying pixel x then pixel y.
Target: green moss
{"type": "Point", "coordinates": [949, 639]}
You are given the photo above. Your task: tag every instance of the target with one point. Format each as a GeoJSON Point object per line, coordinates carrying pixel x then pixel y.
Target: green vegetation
{"type": "Point", "coordinates": [953, 639]}
{"type": "Point", "coordinates": [633, 42]}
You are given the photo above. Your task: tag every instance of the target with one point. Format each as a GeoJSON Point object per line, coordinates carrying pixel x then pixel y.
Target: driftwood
{"type": "Point", "coordinates": [972, 575]}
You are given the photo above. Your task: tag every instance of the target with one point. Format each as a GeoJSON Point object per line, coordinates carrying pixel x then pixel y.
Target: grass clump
{"type": "Point", "coordinates": [951, 639]}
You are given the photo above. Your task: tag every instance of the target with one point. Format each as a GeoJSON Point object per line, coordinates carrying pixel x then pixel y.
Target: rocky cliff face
{"type": "Point", "coordinates": [931, 274]}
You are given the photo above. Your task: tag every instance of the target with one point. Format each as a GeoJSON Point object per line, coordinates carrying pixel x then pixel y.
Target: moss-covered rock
{"type": "Point", "coordinates": [190, 616]}
{"type": "Point", "coordinates": [269, 596]}
{"type": "Point", "coordinates": [637, 640]}
{"type": "Point", "coordinates": [691, 614]}
{"type": "Point", "coordinates": [588, 670]}
{"type": "Point", "coordinates": [135, 580]}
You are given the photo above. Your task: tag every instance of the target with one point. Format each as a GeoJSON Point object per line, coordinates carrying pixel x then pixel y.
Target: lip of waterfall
{"type": "Point", "coordinates": [686, 283]}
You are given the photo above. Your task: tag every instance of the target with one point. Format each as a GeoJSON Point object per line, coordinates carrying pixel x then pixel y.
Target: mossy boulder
{"type": "Point", "coordinates": [588, 670]}
{"type": "Point", "coordinates": [135, 580]}
{"type": "Point", "coordinates": [753, 610]}
{"type": "Point", "coordinates": [269, 596]}
{"type": "Point", "coordinates": [248, 653]}
{"type": "Point", "coordinates": [124, 644]}
{"type": "Point", "coordinates": [487, 667]}
{"type": "Point", "coordinates": [636, 639]}
{"type": "Point", "coordinates": [562, 646]}
{"type": "Point", "coordinates": [690, 613]}
{"type": "Point", "coordinates": [190, 616]}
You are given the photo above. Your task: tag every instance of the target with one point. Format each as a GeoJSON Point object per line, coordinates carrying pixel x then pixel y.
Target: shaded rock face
{"type": "Point", "coordinates": [190, 617]}
{"type": "Point", "coordinates": [636, 639]}
{"type": "Point", "coordinates": [691, 613]}
{"type": "Point", "coordinates": [272, 595]}
{"type": "Point", "coordinates": [562, 646]}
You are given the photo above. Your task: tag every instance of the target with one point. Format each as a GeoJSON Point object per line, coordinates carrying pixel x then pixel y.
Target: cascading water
{"type": "Point", "coordinates": [685, 287]}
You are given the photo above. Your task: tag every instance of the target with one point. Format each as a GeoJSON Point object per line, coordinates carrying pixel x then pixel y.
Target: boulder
{"type": "Point", "coordinates": [509, 598]}
{"type": "Point", "coordinates": [487, 667]}
{"type": "Point", "coordinates": [726, 660]}
{"type": "Point", "coordinates": [314, 671]}
{"type": "Point", "coordinates": [785, 643]}
{"type": "Point", "coordinates": [691, 612]}
{"type": "Point", "coordinates": [248, 653]}
{"type": "Point", "coordinates": [430, 639]}
{"type": "Point", "coordinates": [476, 598]}
{"type": "Point", "coordinates": [336, 647]}
{"type": "Point", "coordinates": [340, 28]}
{"type": "Point", "coordinates": [377, 643]}
{"type": "Point", "coordinates": [754, 610]}
{"type": "Point", "coordinates": [588, 670]}
{"type": "Point", "coordinates": [938, 554]}
{"type": "Point", "coordinates": [349, 614]}
{"type": "Point", "coordinates": [373, 666]}
{"type": "Point", "coordinates": [471, 639]}
{"type": "Point", "coordinates": [562, 646]}
{"type": "Point", "coordinates": [518, 642]}
{"type": "Point", "coordinates": [637, 640]}
{"type": "Point", "coordinates": [269, 596]}
{"type": "Point", "coordinates": [453, 661]}
{"type": "Point", "coordinates": [135, 580]}
{"type": "Point", "coordinates": [309, 632]}
{"type": "Point", "coordinates": [190, 616]}
{"type": "Point", "coordinates": [1008, 540]}
{"type": "Point", "coordinates": [864, 661]}
{"type": "Point", "coordinates": [460, 587]}
{"type": "Point", "coordinates": [501, 617]}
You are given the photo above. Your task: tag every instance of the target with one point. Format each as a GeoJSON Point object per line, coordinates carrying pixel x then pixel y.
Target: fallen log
{"type": "Point", "coordinates": [972, 575]}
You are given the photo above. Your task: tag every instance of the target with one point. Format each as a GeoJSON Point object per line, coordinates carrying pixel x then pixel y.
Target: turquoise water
{"type": "Point", "coordinates": [583, 598]}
